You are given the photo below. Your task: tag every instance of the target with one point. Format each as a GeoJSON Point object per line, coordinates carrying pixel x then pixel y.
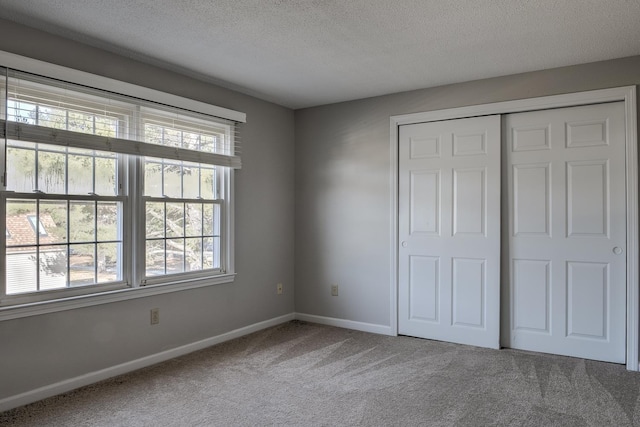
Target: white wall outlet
{"type": "Point", "coordinates": [279, 288]}
{"type": "Point", "coordinates": [334, 290]}
{"type": "Point", "coordinates": [155, 316]}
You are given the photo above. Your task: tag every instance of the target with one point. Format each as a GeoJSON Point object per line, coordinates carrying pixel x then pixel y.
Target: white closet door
{"type": "Point", "coordinates": [449, 231]}
{"type": "Point", "coordinates": [566, 263]}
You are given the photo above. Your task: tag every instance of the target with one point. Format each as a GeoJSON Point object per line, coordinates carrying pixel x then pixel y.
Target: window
{"type": "Point", "coordinates": [183, 200]}
{"type": "Point", "coordinates": [103, 192]}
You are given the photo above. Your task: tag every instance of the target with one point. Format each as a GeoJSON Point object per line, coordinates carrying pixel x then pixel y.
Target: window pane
{"type": "Point", "coordinates": [175, 219]}
{"type": "Point", "coordinates": [53, 267]}
{"type": "Point", "coordinates": [22, 112]}
{"type": "Point", "coordinates": [191, 182]}
{"type": "Point", "coordinates": [82, 226]}
{"type": "Point", "coordinates": [155, 220]}
{"type": "Point", "coordinates": [211, 220]}
{"type": "Point", "coordinates": [17, 222]}
{"type": "Point", "coordinates": [155, 258]}
{"type": "Point", "coordinates": [216, 220]}
{"type": "Point", "coordinates": [153, 179]}
{"type": "Point", "coordinates": [107, 221]}
{"type": "Point", "coordinates": [191, 140]}
{"type": "Point", "coordinates": [207, 144]}
{"type": "Point", "coordinates": [80, 174]}
{"type": "Point", "coordinates": [82, 264]}
{"type": "Point", "coordinates": [207, 220]}
{"type": "Point", "coordinates": [53, 216]}
{"type": "Point", "coordinates": [193, 254]}
{"type": "Point", "coordinates": [106, 126]}
{"type": "Point", "coordinates": [199, 137]}
{"type": "Point", "coordinates": [109, 266]}
{"type": "Point", "coordinates": [80, 122]}
{"type": "Point", "coordinates": [21, 169]}
{"type": "Point", "coordinates": [51, 172]}
{"type": "Point", "coordinates": [208, 252]}
{"type": "Point", "coordinates": [193, 216]}
{"type": "Point", "coordinates": [207, 184]}
{"type": "Point", "coordinates": [172, 137]}
{"type": "Point", "coordinates": [106, 176]}
{"type": "Point", "coordinates": [52, 117]}
{"type": "Point", "coordinates": [216, 252]}
{"type": "Point", "coordinates": [172, 179]}
{"type": "Point", "coordinates": [175, 256]}
{"type": "Point", "coordinates": [22, 273]}
{"type": "Point", "coordinates": [153, 133]}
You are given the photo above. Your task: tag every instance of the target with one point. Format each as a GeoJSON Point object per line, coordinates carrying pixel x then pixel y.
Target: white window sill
{"type": "Point", "coordinates": [71, 303]}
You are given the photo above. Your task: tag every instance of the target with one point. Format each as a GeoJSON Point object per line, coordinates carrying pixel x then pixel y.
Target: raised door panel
{"type": "Point", "coordinates": [468, 290]}
{"type": "Point", "coordinates": [587, 198]}
{"type": "Point", "coordinates": [531, 286]}
{"type": "Point", "coordinates": [532, 199]}
{"type": "Point", "coordinates": [469, 144]}
{"type": "Point", "coordinates": [424, 202]}
{"type": "Point", "coordinates": [587, 300]}
{"type": "Point", "coordinates": [424, 148]}
{"type": "Point", "coordinates": [530, 138]}
{"type": "Point", "coordinates": [424, 282]}
{"type": "Point", "coordinates": [470, 199]}
{"type": "Point", "coordinates": [590, 133]}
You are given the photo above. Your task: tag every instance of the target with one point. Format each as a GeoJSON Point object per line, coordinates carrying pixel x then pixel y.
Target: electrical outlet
{"type": "Point", "coordinates": [279, 288]}
{"type": "Point", "coordinates": [334, 290]}
{"type": "Point", "coordinates": [155, 316]}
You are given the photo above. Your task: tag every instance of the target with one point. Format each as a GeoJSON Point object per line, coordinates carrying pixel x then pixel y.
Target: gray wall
{"type": "Point", "coordinates": [343, 208]}
{"type": "Point", "coordinates": [41, 350]}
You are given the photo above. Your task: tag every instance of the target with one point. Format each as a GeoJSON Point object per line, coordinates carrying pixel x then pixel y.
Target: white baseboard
{"type": "Point", "coordinates": [93, 377]}
{"type": "Point", "coordinates": [347, 324]}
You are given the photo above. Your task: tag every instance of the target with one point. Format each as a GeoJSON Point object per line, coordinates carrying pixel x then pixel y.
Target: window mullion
{"type": "Point", "coordinates": [136, 206]}
{"type": "Point", "coordinates": [134, 223]}
{"type": "Point", "coordinates": [95, 241]}
{"type": "Point", "coordinates": [184, 235]}
{"type": "Point", "coordinates": [4, 115]}
{"type": "Point", "coordinates": [3, 246]}
{"type": "Point", "coordinates": [37, 232]}
{"type": "Point", "coordinates": [4, 106]}
{"type": "Point", "coordinates": [68, 231]}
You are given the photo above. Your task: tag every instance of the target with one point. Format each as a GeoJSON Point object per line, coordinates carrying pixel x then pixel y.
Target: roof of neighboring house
{"type": "Point", "coordinates": [21, 231]}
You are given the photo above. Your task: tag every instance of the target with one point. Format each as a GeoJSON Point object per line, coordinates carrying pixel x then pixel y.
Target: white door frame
{"type": "Point", "coordinates": [626, 94]}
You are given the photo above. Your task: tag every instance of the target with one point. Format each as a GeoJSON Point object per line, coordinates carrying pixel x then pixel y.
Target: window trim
{"type": "Point", "coordinates": [108, 296]}
{"type": "Point", "coordinates": [101, 294]}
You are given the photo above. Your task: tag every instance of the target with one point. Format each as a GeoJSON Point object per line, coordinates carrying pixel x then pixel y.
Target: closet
{"type": "Point", "coordinates": [512, 231]}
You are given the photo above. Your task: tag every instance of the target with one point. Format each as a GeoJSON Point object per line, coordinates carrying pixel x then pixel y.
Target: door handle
{"type": "Point", "coordinates": [617, 250]}
{"type": "Point", "coordinates": [404, 244]}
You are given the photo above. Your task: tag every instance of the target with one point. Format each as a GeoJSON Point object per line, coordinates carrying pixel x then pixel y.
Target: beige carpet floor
{"type": "Point", "coordinates": [302, 374]}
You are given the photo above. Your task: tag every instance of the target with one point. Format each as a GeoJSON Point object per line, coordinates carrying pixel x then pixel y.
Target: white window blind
{"type": "Point", "coordinates": [44, 110]}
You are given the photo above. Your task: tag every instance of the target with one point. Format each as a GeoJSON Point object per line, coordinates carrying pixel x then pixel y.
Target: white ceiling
{"type": "Point", "coordinates": [301, 53]}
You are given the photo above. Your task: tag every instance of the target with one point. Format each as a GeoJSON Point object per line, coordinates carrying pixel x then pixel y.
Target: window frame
{"type": "Point", "coordinates": [119, 112]}
{"type": "Point", "coordinates": [134, 283]}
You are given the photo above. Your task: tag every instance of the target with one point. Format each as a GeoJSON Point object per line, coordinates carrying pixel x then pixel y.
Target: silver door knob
{"type": "Point", "coordinates": [617, 250]}
{"type": "Point", "coordinates": [405, 244]}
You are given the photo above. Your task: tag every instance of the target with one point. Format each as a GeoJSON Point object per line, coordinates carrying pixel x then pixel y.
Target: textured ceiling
{"type": "Point", "coordinates": [301, 53]}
